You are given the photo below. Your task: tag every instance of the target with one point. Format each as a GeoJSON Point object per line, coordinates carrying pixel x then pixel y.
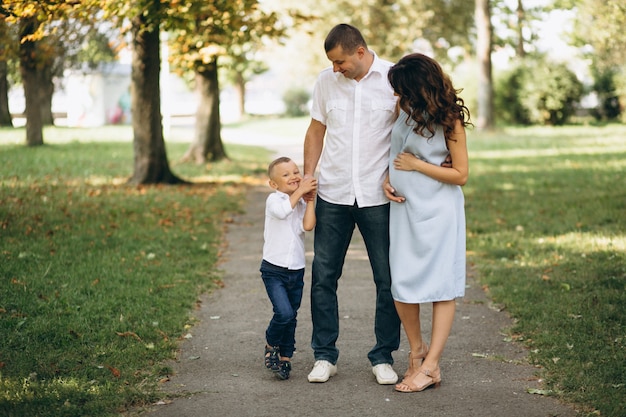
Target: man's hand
{"type": "Point", "coordinates": [309, 185]}
{"type": "Point", "coordinates": [390, 193]}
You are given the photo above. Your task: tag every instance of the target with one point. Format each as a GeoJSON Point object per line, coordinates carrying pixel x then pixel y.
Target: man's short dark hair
{"type": "Point", "coordinates": [346, 36]}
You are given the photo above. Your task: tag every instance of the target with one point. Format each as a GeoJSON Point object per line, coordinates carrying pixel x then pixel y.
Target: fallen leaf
{"type": "Point", "coordinates": [163, 402]}
{"type": "Point", "coordinates": [116, 373]}
{"type": "Point", "coordinates": [128, 334]}
{"type": "Point", "coordinates": [539, 391]}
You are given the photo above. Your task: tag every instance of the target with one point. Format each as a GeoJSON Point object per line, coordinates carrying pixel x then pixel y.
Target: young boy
{"type": "Point", "coordinates": [287, 217]}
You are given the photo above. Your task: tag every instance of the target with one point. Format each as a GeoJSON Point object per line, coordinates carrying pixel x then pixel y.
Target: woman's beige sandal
{"type": "Point", "coordinates": [421, 380]}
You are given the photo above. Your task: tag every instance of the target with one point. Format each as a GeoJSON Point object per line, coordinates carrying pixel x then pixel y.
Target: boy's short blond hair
{"type": "Point", "coordinates": [280, 160]}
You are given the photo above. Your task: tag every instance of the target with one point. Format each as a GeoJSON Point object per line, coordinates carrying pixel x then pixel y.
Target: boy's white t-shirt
{"type": "Point", "coordinates": [284, 233]}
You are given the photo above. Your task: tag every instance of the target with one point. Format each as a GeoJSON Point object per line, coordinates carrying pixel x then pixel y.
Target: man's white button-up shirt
{"type": "Point", "coordinates": [358, 117]}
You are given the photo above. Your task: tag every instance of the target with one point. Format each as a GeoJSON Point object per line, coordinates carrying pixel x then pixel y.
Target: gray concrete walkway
{"type": "Point", "coordinates": [219, 370]}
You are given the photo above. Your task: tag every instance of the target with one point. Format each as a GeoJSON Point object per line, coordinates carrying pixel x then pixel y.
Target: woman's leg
{"type": "Point", "coordinates": [410, 317]}
{"type": "Point", "coordinates": [429, 373]}
{"type": "Point", "coordinates": [443, 317]}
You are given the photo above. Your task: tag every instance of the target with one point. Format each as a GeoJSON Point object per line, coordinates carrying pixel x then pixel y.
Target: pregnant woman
{"type": "Point", "coordinates": [427, 217]}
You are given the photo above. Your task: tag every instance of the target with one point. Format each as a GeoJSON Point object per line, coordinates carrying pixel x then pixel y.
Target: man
{"type": "Point", "coordinates": [353, 111]}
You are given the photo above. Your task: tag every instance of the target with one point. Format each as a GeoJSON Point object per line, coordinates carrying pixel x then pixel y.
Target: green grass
{"type": "Point", "coordinates": [546, 211]}
{"type": "Point", "coordinates": [98, 279]}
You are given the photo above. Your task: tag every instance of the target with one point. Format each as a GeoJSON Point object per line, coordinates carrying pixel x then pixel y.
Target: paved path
{"type": "Point", "coordinates": [220, 371]}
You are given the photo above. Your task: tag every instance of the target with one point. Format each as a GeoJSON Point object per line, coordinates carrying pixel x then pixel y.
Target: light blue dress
{"type": "Point", "coordinates": [427, 231]}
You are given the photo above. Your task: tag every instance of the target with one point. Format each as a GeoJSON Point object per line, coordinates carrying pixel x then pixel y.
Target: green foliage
{"type": "Point", "coordinates": [537, 92]}
{"type": "Point", "coordinates": [296, 102]}
{"type": "Point", "coordinates": [600, 24]}
{"type": "Point", "coordinates": [508, 90]}
{"type": "Point", "coordinates": [606, 89]}
{"type": "Point", "coordinates": [391, 27]}
{"type": "Point", "coordinates": [99, 278]}
{"type": "Point", "coordinates": [546, 219]}
{"type": "Point", "coordinates": [203, 31]}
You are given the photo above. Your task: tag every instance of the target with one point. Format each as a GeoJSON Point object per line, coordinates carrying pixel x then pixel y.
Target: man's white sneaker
{"type": "Point", "coordinates": [385, 375]}
{"type": "Point", "coordinates": [322, 371]}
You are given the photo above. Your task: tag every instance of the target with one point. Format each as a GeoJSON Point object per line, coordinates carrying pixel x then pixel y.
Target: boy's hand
{"type": "Point", "coordinates": [308, 184]}
{"type": "Point", "coordinates": [309, 187]}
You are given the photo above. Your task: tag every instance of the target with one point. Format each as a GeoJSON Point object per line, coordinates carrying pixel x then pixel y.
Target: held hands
{"type": "Point", "coordinates": [308, 186]}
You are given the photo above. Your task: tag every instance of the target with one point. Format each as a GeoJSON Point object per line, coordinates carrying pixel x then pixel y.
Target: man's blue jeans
{"type": "Point", "coordinates": [333, 232]}
{"type": "Point", "coordinates": [284, 288]}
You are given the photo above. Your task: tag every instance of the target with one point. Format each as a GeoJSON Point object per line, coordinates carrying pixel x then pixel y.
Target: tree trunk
{"type": "Point", "coordinates": [28, 70]}
{"type": "Point", "coordinates": [207, 144]}
{"type": "Point", "coordinates": [521, 17]}
{"type": "Point", "coordinates": [485, 119]}
{"type": "Point", "coordinates": [151, 166]}
{"type": "Point", "coordinates": [5, 113]}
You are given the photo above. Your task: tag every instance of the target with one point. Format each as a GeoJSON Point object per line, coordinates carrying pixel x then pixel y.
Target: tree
{"type": "Point", "coordinates": [392, 27]}
{"type": "Point", "coordinates": [35, 22]}
{"type": "Point", "coordinates": [207, 31]}
{"type": "Point", "coordinates": [485, 119]}
{"type": "Point", "coordinates": [31, 19]}
{"type": "Point", "coordinates": [28, 27]}
{"type": "Point", "coordinates": [239, 69]}
{"type": "Point", "coordinates": [599, 30]}
{"type": "Point", "coordinates": [151, 165]}
{"type": "Point", "coordinates": [68, 41]}
{"type": "Point", "coordinates": [5, 52]}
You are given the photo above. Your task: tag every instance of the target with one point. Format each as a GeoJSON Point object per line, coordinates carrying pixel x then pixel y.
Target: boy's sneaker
{"type": "Point", "coordinates": [284, 367]}
{"type": "Point", "coordinates": [271, 358]}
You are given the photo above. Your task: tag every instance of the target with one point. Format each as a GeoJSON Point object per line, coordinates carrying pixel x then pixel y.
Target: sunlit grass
{"type": "Point", "coordinates": [98, 278]}
{"type": "Point", "coordinates": [546, 211]}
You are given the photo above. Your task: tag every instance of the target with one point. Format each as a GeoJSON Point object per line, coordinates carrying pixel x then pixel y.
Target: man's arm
{"type": "Point", "coordinates": [313, 145]}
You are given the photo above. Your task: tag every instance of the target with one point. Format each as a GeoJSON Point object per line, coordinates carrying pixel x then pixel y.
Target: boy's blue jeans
{"type": "Point", "coordinates": [284, 288]}
{"type": "Point", "coordinates": [333, 232]}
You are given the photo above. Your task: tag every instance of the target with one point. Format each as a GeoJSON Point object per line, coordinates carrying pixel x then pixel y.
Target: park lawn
{"type": "Point", "coordinates": [546, 213]}
{"type": "Point", "coordinates": [98, 279]}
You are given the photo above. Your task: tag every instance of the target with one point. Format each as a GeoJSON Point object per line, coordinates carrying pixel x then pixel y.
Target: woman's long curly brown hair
{"type": "Point", "coordinates": [427, 95]}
